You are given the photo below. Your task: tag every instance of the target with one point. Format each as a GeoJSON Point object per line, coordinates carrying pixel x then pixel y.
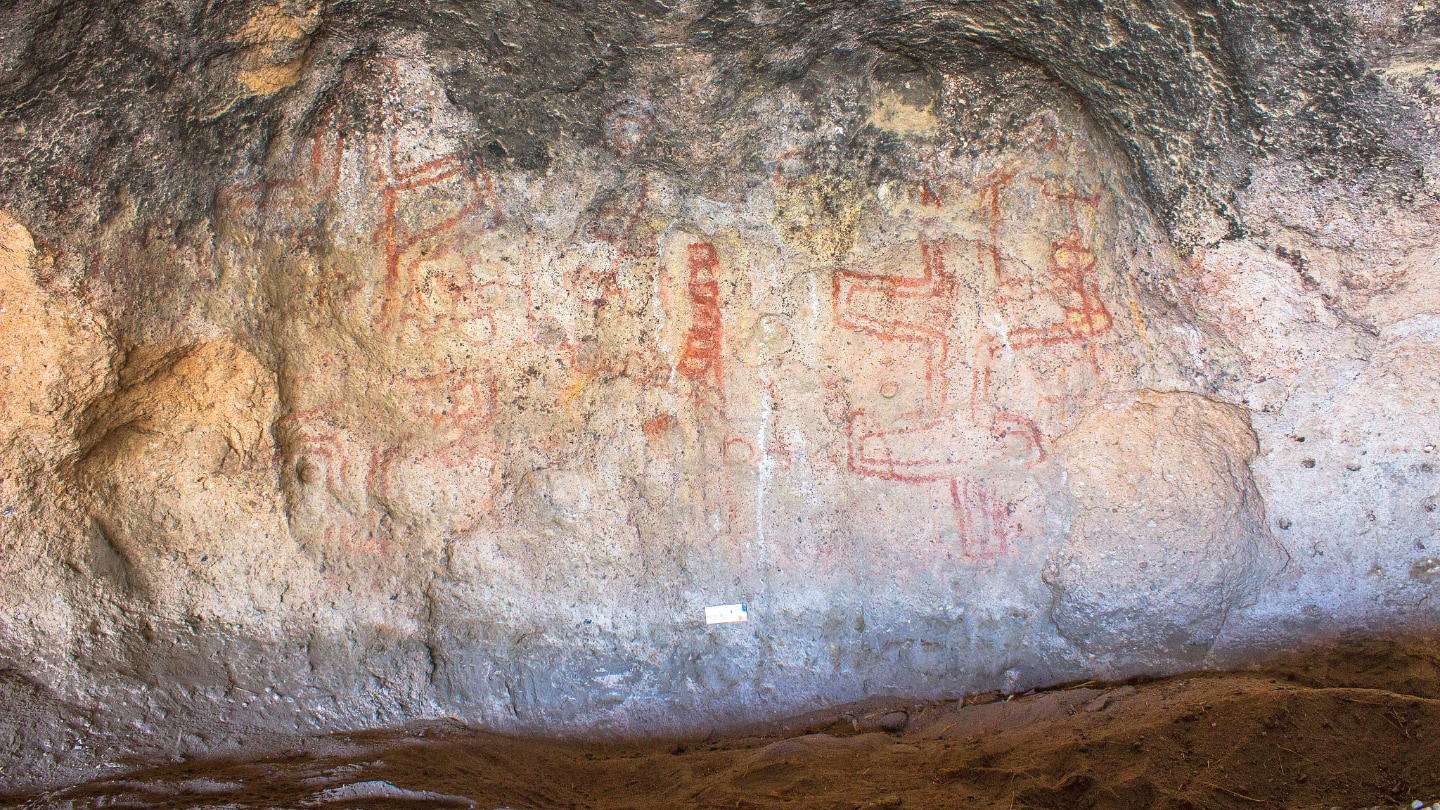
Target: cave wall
{"type": "Point", "coordinates": [366, 363]}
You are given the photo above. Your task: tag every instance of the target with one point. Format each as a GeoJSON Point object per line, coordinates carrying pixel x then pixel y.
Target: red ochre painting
{"type": "Point", "coordinates": [948, 436]}
{"type": "Point", "coordinates": [448, 325]}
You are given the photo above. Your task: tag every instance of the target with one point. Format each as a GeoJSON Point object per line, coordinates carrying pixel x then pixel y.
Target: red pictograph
{"type": "Point", "coordinates": [448, 400]}
{"type": "Point", "coordinates": [361, 475]}
{"type": "Point", "coordinates": [700, 356]}
{"type": "Point", "coordinates": [939, 441]}
{"type": "Point", "coordinates": [422, 211]}
{"type": "Point", "coordinates": [613, 289]}
{"type": "Point", "coordinates": [620, 220]}
{"type": "Point", "coordinates": [987, 525]}
{"type": "Point", "coordinates": [421, 207]}
{"type": "Point", "coordinates": [935, 442]}
{"type": "Point", "coordinates": [330, 459]}
{"type": "Point", "coordinates": [988, 250]}
{"type": "Point", "coordinates": [1072, 280]}
{"type": "Point", "coordinates": [451, 292]}
{"type": "Point", "coordinates": [910, 309]}
{"type": "Point", "coordinates": [929, 195]}
{"type": "Point", "coordinates": [319, 451]}
{"type": "Point", "coordinates": [471, 192]}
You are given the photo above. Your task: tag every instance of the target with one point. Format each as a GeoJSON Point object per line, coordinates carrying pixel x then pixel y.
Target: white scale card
{"type": "Point", "coordinates": [726, 614]}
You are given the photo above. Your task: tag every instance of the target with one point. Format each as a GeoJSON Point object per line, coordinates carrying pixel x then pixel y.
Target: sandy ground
{"type": "Point", "coordinates": [1353, 726]}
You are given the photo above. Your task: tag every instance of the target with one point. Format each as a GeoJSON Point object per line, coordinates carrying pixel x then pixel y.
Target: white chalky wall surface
{"type": "Point", "coordinates": [403, 420]}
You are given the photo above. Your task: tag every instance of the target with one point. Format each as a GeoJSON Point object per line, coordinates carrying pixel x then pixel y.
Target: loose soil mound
{"type": "Point", "coordinates": [1352, 727]}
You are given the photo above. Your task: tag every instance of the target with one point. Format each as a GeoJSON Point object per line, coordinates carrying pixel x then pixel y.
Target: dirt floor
{"type": "Point", "coordinates": [1351, 727]}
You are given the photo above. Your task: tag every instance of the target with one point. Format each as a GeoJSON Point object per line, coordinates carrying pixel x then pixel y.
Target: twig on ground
{"type": "Point", "coordinates": [1234, 793]}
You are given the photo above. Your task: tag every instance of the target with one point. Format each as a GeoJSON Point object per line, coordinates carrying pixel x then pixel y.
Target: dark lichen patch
{"type": "Point", "coordinates": [1191, 92]}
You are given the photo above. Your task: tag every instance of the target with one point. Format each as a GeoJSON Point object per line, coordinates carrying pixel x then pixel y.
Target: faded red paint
{"type": "Point", "coordinates": [700, 356]}
{"type": "Point", "coordinates": [928, 194]}
{"type": "Point", "coordinates": [932, 444]}
{"type": "Point", "coordinates": [658, 425]}
{"type": "Point", "coordinates": [626, 227]}
{"type": "Point", "coordinates": [1073, 281]}
{"type": "Point", "coordinates": [306, 435]}
{"type": "Point", "coordinates": [868, 303]}
{"type": "Point", "coordinates": [400, 236]}
{"type": "Point", "coordinates": [738, 449]}
{"type": "Point", "coordinates": [986, 524]}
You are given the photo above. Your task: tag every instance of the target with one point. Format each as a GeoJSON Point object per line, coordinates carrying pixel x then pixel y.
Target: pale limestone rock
{"type": "Point", "coordinates": [51, 353]}
{"type": "Point", "coordinates": [390, 362]}
{"type": "Point", "coordinates": [178, 467]}
{"type": "Point", "coordinates": [1168, 532]}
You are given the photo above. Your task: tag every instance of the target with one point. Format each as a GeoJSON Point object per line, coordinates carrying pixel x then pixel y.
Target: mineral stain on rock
{"type": "Point", "coordinates": [365, 363]}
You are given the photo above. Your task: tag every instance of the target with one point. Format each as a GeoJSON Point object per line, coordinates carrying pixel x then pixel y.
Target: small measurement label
{"type": "Point", "coordinates": [726, 614]}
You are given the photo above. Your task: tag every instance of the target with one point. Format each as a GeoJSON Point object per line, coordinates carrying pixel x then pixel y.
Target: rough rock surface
{"type": "Point", "coordinates": [1167, 532]}
{"type": "Point", "coordinates": [381, 361]}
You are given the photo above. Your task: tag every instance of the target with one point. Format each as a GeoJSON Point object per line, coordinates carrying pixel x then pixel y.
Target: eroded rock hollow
{"type": "Point", "coordinates": [366, 362]}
